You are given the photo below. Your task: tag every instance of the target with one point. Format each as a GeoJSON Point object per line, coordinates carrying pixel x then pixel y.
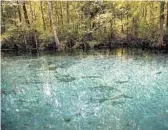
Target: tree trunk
{"type": "Point", "coordinates": [15, 12]}
{"type": "Point", "coordinates": [56, 13]}
{"type": "Point", "coordinates": [167, 20]}
{"type": "Point", "coordinates": [57, 43]}
{"type": "Point", "coordinates": [42, 14]}
{"type": "Point", "coordinates": [25, 41]}
{"type": "Point", "coordinates": [28, 24]}
{"type": "Point", "coordinates": [20, 19]}
{"type": "Point", "coordinates": [50, 12]}
{"type": "Point", "coordinates": [3, 20]}
{"type": "Point", "coordinates": [35, 39]}
{"type": "Point", "coordinates": [67, 11]}
{"type": "Point", "coordinates": [134, 28]}
{"type": "Point", "coordinates": [19, 12]}
{"type": "Point", "coordinates": [62, 20]}
{"type": "Point", "coordinates": [160, 43]}
{"type": "Point", "coordinates": [127, 20]}
{"type": "Point", "coordinates": [32, 14]}
{"type": "Point", "coordinates": [25, 14]}
{"type": "Point", "coordinates": [122, 26]}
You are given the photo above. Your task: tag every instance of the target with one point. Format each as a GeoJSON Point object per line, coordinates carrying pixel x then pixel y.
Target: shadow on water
{"type": "Point", "coordinates": [65, 78]}
{"type": "Point", "coordinates": [119, 52]}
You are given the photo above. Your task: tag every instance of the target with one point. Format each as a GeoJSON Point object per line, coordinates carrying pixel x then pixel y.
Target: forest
{"type": "Point", "coordinates": [67, 25]}
{"type": "Point", "coordinates": [84, 65]}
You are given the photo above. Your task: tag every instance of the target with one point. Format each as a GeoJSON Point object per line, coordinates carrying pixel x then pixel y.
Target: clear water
{"type": "Point", "coordinates": [117, 90]}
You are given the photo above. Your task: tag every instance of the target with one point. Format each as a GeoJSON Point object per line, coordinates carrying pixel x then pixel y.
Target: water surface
{"type": "Point", "coordinates": [107, 90]}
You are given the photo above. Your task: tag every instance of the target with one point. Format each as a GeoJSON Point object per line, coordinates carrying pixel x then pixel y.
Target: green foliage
{"type": "Point", "coordinates": [92, 43]}
{"type": "Point", "coordinates": [103, 19]}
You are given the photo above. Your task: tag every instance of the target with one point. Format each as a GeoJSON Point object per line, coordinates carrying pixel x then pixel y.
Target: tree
{"type": "Point", "coordinates": [57, 43]}
{"type": "Point", "coordinates": [167, 20]}
{"type": "Point", "coordinates": [31, 10]}
{"type": "Point", "coordinates": [73, 21]}
{"type": "Point", "coordinates": [62, 20]}
{"type": "Point", "coordinates": [67, 11]}
{"type": "Point", "coordinates": [2, 20]}
{"type": "Point", "coordinates": [42, 15]}
{"type": "Point", "coordinates": [160, 43]}
{"type": "Point", "coordinates": [28, 24]}
{"type": "Point", "coordinates": [25, 14]}
{"type": "Point", "coordinates": [19, 12]}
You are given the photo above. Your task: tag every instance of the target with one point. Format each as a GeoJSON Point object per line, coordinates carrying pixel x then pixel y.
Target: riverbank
{"type": "Point", "coordinates": [85, 43]}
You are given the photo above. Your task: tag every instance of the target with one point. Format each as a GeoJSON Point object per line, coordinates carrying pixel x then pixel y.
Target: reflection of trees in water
{"type": "Point", "coordinates": [91, 89]}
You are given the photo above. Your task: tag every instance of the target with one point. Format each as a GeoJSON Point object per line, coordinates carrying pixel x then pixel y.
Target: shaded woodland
{"type": "Point", "coordinates": [66, 25]}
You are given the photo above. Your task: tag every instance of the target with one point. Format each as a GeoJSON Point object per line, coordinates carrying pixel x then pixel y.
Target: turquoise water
{"type": "Point", "coordinates": [117, 90]}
